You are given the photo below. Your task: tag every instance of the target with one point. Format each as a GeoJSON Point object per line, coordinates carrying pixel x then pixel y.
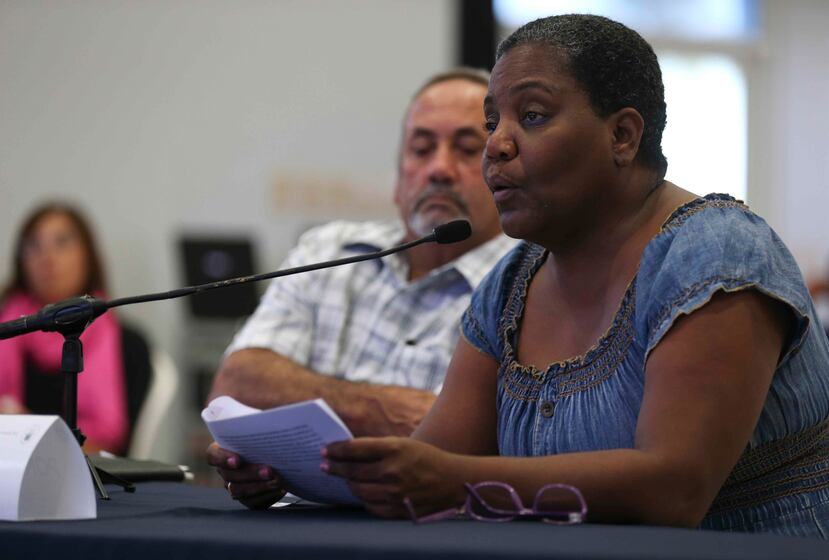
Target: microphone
{"type": "Point", "coordinates": [75, 314]}
{"type": "Point", "coordinates": [457, 230]}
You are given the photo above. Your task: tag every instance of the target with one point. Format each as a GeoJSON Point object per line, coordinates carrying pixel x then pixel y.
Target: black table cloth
{"type": "Point", "coordinates": [172, 520]}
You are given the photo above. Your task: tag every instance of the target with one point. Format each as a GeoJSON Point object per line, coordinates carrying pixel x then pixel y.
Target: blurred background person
{"type": "Point", "coordinates": [56, 257]}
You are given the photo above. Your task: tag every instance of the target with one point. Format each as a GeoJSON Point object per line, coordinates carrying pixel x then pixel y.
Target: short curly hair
{"type": "Point", "coordinates": [614, 65]}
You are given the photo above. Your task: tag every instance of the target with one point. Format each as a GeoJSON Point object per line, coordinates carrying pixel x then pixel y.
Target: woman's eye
{"type": "Point", "coordinates": [489, 126]}
{"type": "Point", "coordinates": [532, 117]}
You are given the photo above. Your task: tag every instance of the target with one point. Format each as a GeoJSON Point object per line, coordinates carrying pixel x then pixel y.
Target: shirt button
{"type": "Point", "coordinates": [547, 408]}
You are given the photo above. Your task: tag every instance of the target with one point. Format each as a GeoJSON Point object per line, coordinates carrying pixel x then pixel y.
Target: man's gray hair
{"type": "Point", "coordinates": [474, 75]}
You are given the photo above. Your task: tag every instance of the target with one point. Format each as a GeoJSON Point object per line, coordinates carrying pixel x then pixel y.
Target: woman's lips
{"type": "Point", "coordinates": [502, 189]}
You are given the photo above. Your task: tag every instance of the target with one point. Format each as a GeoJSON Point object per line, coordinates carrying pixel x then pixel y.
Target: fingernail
{"type": "Point", "coordinates": [232, 462]}
{"type": "Point", "coordinates": [324, 452]}
{"type": "Point", "coordinates": [325, 467]}
{"type": "Point", "coordinates": [265, 473]}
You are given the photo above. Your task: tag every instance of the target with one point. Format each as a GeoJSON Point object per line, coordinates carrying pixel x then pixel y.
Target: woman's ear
{"type": "Point", "coordinates": [626, 126]}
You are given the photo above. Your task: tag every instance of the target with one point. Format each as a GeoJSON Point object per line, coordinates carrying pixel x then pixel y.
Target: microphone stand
{"type": "Point", "coordinates": [72, 316]}
{"type": "Point", "coordinates": [71, 319]}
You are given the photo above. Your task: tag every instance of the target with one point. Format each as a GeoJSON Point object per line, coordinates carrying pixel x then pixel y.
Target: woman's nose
{"type": "Point", "coordinates": [500, 145]}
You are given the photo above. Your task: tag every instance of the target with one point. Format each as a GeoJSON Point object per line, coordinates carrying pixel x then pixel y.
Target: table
{"type": "Point", "coordinates": [175, 520]}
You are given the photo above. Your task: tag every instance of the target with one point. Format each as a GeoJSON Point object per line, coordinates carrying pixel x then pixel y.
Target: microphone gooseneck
{"type": "Point", "coordinates": [76, 313]}
{"type": "Point", "coordinates": [452, 232]}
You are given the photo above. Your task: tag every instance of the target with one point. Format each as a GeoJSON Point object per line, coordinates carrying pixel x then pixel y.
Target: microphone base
{"type": "Point", "coordinates": [71, 366]}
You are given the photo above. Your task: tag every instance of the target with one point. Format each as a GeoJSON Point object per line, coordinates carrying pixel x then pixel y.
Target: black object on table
{"type": "Point", "coordinates": [139, 470]}
{"type": "Point", "coordinates": [172, 520]}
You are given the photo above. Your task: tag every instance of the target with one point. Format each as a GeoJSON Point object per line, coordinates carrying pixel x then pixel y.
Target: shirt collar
{"type": "Point", "coordinates": [475, 264]}
{"type": "Point", "coordinates": [472, 265]}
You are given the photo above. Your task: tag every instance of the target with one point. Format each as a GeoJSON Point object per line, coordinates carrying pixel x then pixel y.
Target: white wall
{"type": "Point", "coordinates": [160, 116]}
{"type": "Point", "coordinates": [789, 129]}
{"type": "Point", "coordinates": [164, 116]}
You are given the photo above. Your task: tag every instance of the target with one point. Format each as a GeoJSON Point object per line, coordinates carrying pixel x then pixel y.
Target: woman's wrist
{"type": "Point", "coordinates": [459, 471]}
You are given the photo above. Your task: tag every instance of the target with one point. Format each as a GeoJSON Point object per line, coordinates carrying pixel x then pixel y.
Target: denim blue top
{"type": "Point", "coordinates": [591, 402]}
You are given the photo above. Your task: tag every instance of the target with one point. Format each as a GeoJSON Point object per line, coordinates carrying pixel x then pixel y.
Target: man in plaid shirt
{"type": "Point", "coordinates": [374, 339]}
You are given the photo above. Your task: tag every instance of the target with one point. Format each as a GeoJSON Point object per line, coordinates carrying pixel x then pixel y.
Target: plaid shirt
{"type": "Point", "coordinates": [366, 321]}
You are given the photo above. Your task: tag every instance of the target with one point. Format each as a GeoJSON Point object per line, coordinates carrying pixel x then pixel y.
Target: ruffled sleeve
{"type": "Point", "coordinates": [715, 244]}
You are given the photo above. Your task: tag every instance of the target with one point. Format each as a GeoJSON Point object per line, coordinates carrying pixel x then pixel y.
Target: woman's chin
{"type": "Point", "coordinates": [515, 225]}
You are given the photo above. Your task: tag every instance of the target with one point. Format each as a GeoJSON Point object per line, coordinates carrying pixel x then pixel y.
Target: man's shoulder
{"type": "Point", "coordinates": [475, 264]}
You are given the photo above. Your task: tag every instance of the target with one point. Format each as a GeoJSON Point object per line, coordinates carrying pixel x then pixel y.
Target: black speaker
{"type": "Point", "coordinates": [210, 259]}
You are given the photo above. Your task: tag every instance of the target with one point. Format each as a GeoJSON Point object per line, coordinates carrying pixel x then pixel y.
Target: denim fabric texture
{"type": "Point", "coordinates": [591, 402]}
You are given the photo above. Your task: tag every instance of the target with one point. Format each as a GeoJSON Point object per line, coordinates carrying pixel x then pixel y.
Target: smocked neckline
{"type": "Point", "coordinates": [517, 302]}
{"type": "Point", "coordinates": [537, 255]}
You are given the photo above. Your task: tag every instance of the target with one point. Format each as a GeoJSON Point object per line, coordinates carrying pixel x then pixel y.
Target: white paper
{"type": "Point", "coordinates": [43, 473]}
{"type": "Point", "coordinates": [288, 438]}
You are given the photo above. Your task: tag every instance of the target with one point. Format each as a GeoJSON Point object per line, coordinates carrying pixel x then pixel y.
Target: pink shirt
{"type": "Point", "coordinates": [102, 405]}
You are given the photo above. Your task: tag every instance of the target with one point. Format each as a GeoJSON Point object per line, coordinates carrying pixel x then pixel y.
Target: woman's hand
{"type": "Point", "coordinates": [10, 405]}
{"type": "Point", "coordinates": [255, 486]}
{"type": "Point", "coordinates": [384, 471]}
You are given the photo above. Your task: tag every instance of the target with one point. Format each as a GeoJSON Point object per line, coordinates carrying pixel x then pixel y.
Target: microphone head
{"type": "Point", "coordinates": [454, 231]}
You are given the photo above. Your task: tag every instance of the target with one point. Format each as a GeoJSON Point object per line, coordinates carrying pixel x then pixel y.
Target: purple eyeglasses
{"type": "Point", "coordinates": [559, 504]}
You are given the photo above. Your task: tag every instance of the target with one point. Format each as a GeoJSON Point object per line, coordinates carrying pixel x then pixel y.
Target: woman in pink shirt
{"type": "Point", "coordinates": [56, 258]}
